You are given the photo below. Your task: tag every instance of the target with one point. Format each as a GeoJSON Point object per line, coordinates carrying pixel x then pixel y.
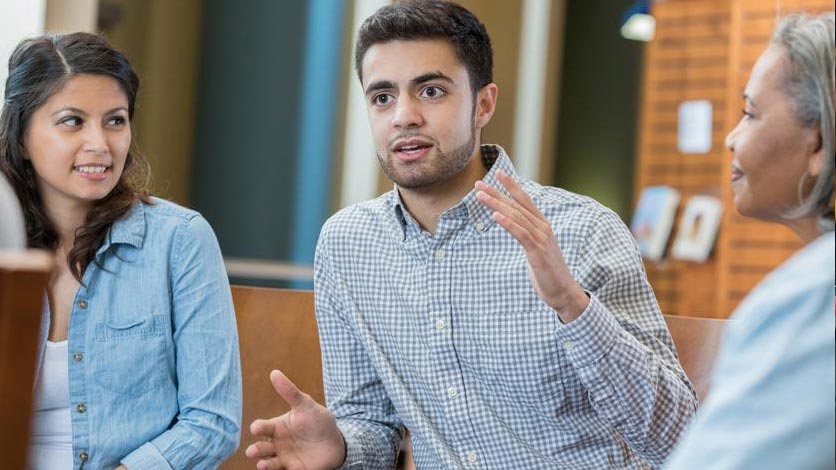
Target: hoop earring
{"type": "Point", "coordinates": [800, 191]}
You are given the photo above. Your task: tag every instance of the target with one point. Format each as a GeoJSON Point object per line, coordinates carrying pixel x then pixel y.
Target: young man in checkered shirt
{"type": "Point", "coordinates": [504, 323]}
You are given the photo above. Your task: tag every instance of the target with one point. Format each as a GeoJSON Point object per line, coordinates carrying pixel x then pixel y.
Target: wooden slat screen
{"type": "Point", "coordinates": [704, 49]}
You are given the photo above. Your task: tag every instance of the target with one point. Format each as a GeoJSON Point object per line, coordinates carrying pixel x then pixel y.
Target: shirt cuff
{"type": "Point", "coordinates": [146, 457]}
{"type": "Point", "coordinates": [591, 336]}
{"type": "Point", "coordinates": [353, 452]}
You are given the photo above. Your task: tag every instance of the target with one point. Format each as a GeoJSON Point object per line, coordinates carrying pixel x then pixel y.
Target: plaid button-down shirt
{"type": "Point", "coordinates": [444, 334]}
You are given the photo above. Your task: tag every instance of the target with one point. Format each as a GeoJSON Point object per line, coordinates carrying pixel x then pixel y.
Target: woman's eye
{"type": "Point", "coordinates": [116, 121]}
{"type": "Point", "coordinates": [71, 121]}
{"type": "Point", "coordinates": [746, 114]}
{"type": "Point", "coordinates": [382, 99]}
{"type": "Point", "coordinates": [432, 92]}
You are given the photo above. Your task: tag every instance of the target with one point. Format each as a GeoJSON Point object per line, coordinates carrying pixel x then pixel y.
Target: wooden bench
{"type": "Point", "coordinates": [697, 342]}
{"type": "Point", "coordinates": [277, 330]}
{"type": "Point", "coordinates": [23, 277]}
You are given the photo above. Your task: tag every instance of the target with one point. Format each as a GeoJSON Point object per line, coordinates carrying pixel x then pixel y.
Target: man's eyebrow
{"type": "Point", "coordinates": [431, 76]}
{"type": "Point", "coordinates": [423, 78]}
{"type": "Point", "coordinates": [380, 85]}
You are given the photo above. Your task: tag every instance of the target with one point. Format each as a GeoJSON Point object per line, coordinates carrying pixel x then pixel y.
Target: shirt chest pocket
{"type": "Point", "coordinates": [520, 359]}
{"type": "Point", "coordinates": [130, 356]}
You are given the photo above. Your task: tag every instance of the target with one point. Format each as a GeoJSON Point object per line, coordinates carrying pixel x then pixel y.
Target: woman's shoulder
{"type": "Point", "coordinates": [162, 210]}
{"type": "Point", "coordinates": [165, 219]}
{"type": "Point", "coordinates": [795, 296]}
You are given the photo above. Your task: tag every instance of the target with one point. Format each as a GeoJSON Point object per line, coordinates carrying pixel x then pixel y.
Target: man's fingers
{"type": "Point", "coordinates": [517, 192]}
{"type": "Point", "coordinates": [522, 235]}
{"type": "Point", "coordinates": [262, 427]}
{"type": "Point", "coordinates": [287, 390]}
{"type": "Point", "coordinates": [514, 207]}
{"type": "Point", "coordinates": [270, 464]}
{"type": "Point", "coordinates": [261, 450]}
{"type": "Point", "coordinates": [498, 202]}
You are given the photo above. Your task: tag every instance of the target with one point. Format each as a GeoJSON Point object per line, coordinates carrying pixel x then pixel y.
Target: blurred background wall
{"type": "Point", "coordinates": [251, 113]}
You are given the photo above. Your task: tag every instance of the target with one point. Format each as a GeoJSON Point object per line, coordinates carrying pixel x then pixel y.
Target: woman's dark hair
{"type": "Point", "coordinates": [39, 68]}
{"type": "Point", "coordinates": [431, 19]}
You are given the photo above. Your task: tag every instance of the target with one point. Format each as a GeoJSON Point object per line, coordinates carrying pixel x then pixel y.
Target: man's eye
{"type": "Point", "coordinates": [382, 99]}
{"type": "Point", "coordinates": [432, 92]}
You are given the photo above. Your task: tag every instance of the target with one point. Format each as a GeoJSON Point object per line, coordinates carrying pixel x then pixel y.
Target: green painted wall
{"type": "Point", "coordinates": [247, 123]}
{"type": "Point", "coordinates": [596, 148]}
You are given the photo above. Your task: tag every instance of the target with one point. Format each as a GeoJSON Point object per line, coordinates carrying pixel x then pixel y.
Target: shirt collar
{"type": "Point", "coordinates": [128, 229]}
{"type": "Point", "coordinates": [494, 158]}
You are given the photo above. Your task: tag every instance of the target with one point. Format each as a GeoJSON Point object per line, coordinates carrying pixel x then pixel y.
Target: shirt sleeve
{"type": "Point", "coordinates": [620, 346]}
{"type": "Point", "coordinates": [354, 393]}
{"type": "Point", "coordinates": [207, 429]}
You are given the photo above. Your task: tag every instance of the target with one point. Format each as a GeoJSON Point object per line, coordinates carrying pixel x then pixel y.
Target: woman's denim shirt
{"type": "Point", "coordinates": [154, 370]}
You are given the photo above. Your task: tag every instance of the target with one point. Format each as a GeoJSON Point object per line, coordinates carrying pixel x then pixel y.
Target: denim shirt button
{"type": "Point", "coordinates": [83, 456]}
{"type": "Point", "coordinates": [81, 408]}
{"type": "Point", "coordinates": [77, 357]}
{"type": "Point", "coordinates": [82, 304]}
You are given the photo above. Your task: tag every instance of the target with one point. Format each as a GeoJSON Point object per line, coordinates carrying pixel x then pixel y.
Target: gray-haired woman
{"type": "Point", "coordinates": [771, 403]}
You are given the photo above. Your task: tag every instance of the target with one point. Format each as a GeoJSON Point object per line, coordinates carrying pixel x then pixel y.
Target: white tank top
{"type": "Point", "coordinates": [51, 441]}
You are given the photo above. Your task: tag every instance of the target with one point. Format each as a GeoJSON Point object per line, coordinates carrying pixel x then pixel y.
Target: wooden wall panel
{"type": "Point", "coordinates": [688, 60]}
{"type": "Point", "coordinates": [704, 49]}
{"type": "Point", "coordinates": [749, 249]}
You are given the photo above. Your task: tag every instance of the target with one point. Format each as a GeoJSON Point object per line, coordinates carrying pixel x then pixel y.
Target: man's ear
{"type": "Point", "coordinates": [485, 105]}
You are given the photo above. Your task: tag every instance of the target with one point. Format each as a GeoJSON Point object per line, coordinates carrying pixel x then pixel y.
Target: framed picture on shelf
{"type": "Point", "coordinates": [698, 229]}
{"type": "Point", "coordinates": [653, 220]}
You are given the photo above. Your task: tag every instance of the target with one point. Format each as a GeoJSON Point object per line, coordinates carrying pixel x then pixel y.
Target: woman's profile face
{"type": "Point", "coordinates": [78, 141]}
{"type": "Point", "coordinates": [771, 150]}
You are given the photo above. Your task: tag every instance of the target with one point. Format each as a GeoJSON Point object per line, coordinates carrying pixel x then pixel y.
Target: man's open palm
{"type": "Point", "coordinates": [306, 437]}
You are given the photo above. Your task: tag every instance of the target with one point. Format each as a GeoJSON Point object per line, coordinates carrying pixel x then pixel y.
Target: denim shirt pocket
{"type": "Point", "coordinates": [133, 355]}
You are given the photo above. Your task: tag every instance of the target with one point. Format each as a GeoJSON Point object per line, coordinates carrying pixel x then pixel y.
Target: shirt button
{"type": "Point", "coordinates": [83, 456]}
{"type": "Point", "coordinates": [439, 325]}
{"type": "Point", "coordinates": [81, 407]}
{"type": "Point", "coordinates": [439, 254]}
{"type": "Point", "coordinates": [472, 457]}
{"type": "Point", "coordinates": [569, 345]}
{"type": "Point", "coordinates": [82, 304]}
{"type": "Point", "coordinates": [452, 392]}
{"type": "Point", "coordinates": [480, 227]}
{"type": "Point", "coordinates": [77, 357]}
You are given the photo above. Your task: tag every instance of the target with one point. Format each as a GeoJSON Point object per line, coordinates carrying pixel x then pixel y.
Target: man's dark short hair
{"type": "Point", "coordinates": [431, 19]}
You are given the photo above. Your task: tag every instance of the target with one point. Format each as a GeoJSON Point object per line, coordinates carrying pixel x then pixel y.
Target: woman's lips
{"type": "Point", "coordinates": [736, 174]}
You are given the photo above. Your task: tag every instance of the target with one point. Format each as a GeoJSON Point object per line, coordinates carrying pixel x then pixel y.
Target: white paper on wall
{"type": "Point", "coordinates": [694, 127]}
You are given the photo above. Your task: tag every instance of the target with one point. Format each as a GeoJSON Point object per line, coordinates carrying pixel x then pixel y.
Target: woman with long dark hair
{"type": "Point", "coordinates": [139, 363]}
